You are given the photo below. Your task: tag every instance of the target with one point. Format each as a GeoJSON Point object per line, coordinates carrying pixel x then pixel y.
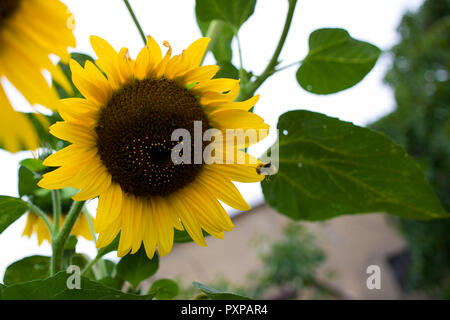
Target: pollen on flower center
{"type": "Point", "coordinates": [134, 136]}
{"type": "Point", "coordinates": [7, 9]}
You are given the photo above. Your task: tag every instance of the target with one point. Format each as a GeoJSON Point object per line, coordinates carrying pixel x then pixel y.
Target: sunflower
{"type": "Point", "coordinates": [36, 224]}
{"type": "Point", "coordinates": [121, 145]}
{"type": "Point", "coordinates": [31, 30]}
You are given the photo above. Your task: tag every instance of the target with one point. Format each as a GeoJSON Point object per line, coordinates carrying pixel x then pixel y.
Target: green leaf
{"type": "Point", "coordinates": [214, 294]}
{"type": "Point", "coordinates": [33, 164]}
{"type": "Point", "coordinates": [27, 269]}
{"type": "Point", "coordinates": [27, 182]}
{"type": "Point", "coordinates": [55, 288]}
{"type": "Point", "coordinates": [335, 61]}
{"type": "Point", "coordinates": [11, 209]}
{"type": "Point", "coordinates": [165, 289]}
{"type": "Point", "coordinates": [329, 167]}
{"type": "Point", "coordinates": [227, 70]}
{"type": "Point", "coordinates": [137, 267]}
{"type": "Point", "coordinates": [81, 58]}
{"type": "Point", "coordinates": [110, 267]}
{"type": "Point", "coordinates": [111, 282]}
{"type": "Point", "coordinates": [29, 176]}
{"type": "Point", "coordinates": [234, 12]}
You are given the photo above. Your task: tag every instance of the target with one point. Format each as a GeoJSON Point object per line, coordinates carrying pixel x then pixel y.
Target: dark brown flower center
{"type": "Point", "coordinates": [134, 136]}
{"type": "Point", "coordinates": [7, 9]}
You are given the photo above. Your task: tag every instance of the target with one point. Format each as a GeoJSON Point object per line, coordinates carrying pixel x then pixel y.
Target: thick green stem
{"type": "Point", "coordinates": [59, 240]}
{"type": "Point", "coordinates": [136, 21]}
{"type": "Point", "coordinates": [56, 199]}
{"type": "Point", "coordinates": [250, 90]}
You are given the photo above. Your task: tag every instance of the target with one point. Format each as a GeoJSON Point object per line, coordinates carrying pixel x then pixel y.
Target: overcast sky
{"type": "Point", "coordinates": [174, 20]}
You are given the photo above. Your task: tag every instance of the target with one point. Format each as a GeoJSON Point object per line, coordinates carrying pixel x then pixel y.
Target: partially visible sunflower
{"type": "Point", "coordinates": [37, 225]}
{"type": "Point", "coordinates": [31, 30]}
{"type": "Point", "coordinates": [121, 145]}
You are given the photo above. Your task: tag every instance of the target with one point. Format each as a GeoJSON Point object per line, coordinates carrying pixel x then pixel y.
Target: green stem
{"type": "Point", "coordinates": [56, 199]}
{"type": "Point", "coordinates": [270, 69]}
{"type": "Point", "coordinates": [289, 65]}
{"type": "Point", "coordinates": [91, 225]}
{"type": "Point", "coordinates": [36, 210]}
{"type": "Point", "coordinates": [90, 265]}
{"type": "Point", "coordinates": [242, 75]}
{"type": "Point", "coordinates": [60, 239]}
{"type": "Point", "coordinates": [214, 29]}
{"type": "Point", "coordinates": [136, 22]}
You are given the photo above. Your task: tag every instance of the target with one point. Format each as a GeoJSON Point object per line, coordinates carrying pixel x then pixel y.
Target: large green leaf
{"type": "Point", "coordinates": [234, 12]}
{"type": "Point", "coordinates": [335, 61]}
{"type": "Point", "coordinates": [329, 167]}
{"type": "Point", "coordinates": [137, 267]}
{"type": "Point", "coordinates": [27, 269]}
{"type": "Point", "coordinates": [215, 294]}
{"type": "Point", "coordinates": [11, 209]}
{"type": "Point", "coordinates": [55, 288]}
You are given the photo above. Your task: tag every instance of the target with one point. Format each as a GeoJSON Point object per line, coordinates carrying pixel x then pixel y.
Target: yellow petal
{"type": "Point", "coordinates": [82, 80]}
{"type": "Point", "coordinates": [109, 207]}
{"type": "Point", "coordinates": [222, 188]}
{"type": "Point", "coordinates": [74, 132]}
{"type": "Point", "coordinates": [162, 224]}
{"type": "Point", "coordinates": [216, 106]}
{"type": "Point", "coordinates": [215, 85]}
{"type": "Point", "coordinates": [188, 219]}
{"type": "Point", "coordinates": [239, 172]}
{"type": "Point", "coordinates": [161, 67]}
{"type": "Point", "coordinates": [126, 65]}
{"type": "Point", "coordinates": [199, 74]}
{"type": "Point", "coordinates": [196, 51]}
{"type": "Point", "coordinates": [237, 119]}
{"type": "Point", "coordinates": [92, 180]}
{"type": "Point", "coordinates": [149, 235]}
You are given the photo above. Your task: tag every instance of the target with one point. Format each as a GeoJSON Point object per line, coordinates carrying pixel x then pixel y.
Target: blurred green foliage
{"type": "Point", "coordinates": [421, 123]}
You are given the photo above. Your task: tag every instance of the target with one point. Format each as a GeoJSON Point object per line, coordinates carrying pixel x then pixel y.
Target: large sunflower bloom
{"type": "Point", "coordinates": [121, 145]}
{"type": "Point", "coordinates": [38, 226]}
{"type": "Point", "coordinates": [30, 30]}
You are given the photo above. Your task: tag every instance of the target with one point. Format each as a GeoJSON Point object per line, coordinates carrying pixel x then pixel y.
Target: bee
{"type": "Point", "coordinates": [267, 169]}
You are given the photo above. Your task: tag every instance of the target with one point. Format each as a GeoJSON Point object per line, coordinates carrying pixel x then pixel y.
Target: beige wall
{"type": "Point", "coordinates": [351, 243]}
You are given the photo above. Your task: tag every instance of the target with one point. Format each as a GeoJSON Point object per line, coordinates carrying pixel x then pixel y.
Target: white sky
{"type": "Point", "coordinates": [174, 20]}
